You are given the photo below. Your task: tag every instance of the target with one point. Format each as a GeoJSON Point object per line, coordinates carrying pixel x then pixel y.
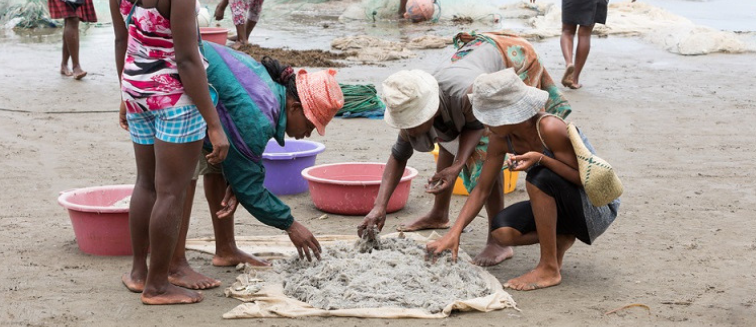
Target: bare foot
{"type": "Point", "coordinates": [576, 86]}
{"type": "Point", "coordinates": [65, 71]}
{"type": "Point", "coordinates": [429, 221]}
{"type": "Point", "coordinates": [78, 73]}
{"type": "Point", "coordinates": [493, 254]}
{"type": "Point", "coordinates": [186, 277]}
{"type": "Point", "coordinates": [535, 279]}
{"type": "Point", "coordinates": [133, 283]}
{"type": "Point", "coordinates": [567, 77]}
{"type": "Point", "coordinates": [171, 295]}
{"type": "Point", "coordinates": [239, 256]}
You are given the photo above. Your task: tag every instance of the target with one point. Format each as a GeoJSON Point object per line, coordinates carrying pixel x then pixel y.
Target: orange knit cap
{"type": "Point", "coordinates": [320, 95]}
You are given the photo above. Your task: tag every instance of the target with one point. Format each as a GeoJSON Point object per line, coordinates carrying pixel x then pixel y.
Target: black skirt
{"type": "Point", "coordinates": [584, 12]}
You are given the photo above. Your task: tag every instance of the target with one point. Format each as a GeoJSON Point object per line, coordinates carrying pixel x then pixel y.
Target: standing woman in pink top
{"type": "Point", "coordinates": [167, 109]}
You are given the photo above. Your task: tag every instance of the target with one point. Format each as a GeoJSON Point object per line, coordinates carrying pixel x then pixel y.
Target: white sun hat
{"type": "Point", "coordinates": [411, 98]}
{"type": "Point", "coordinates": [501, 98]}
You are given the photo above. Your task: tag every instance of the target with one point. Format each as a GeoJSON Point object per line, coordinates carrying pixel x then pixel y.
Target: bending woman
{"type": "Point", "coordinates": [428, 109]}
{"type": "Point", "coordinates": [558, 211]}
{"type": "Point", "coordinates": [257, 102]}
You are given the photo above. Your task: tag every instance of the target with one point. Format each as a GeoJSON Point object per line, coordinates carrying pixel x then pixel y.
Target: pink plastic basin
{"type": "Point", "coordinates": [351, 188]}
{"type": "Point", "coordinates": [99, 228]}
{"type": "Point", "coordinates": [214, 34]}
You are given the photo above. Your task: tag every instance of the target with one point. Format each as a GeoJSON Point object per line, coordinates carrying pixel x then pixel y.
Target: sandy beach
{"type": "Point", "coordinates": [678, 129]}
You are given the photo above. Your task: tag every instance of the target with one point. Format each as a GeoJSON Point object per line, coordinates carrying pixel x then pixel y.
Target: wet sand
{"type": "Point", "coordinates": [678, 129]}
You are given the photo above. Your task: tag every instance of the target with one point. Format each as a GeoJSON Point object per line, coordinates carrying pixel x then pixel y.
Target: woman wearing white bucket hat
{"type": "Point", "coordinates": [559, 211]}
{"type": "Point", "coordinates": [429, 109]}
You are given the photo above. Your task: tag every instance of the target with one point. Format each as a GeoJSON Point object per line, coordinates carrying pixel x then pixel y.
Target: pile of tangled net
{"type": "Point", "coordinates": [394, 274]}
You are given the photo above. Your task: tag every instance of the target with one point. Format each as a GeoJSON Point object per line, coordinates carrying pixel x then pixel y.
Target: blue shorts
{"type": "Point", "coordinates": [172, 125]}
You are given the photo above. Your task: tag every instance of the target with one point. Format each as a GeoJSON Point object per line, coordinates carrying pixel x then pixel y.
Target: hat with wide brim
{"type": "Point", "coordinates": [411, 98]}
{"type": "Point", "coordinates": [502, 98]}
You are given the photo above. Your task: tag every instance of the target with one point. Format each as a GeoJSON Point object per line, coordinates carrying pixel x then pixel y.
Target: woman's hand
{"type": "Point", "coordinates": [122, 116]}
{"type": "Point", "coordinates": [229, 204]}
{"type": "Point", "coordinates": [304, 241]}
{"type": "Point", "coordinates": [220, 145]}
{"type": "Point", "coordinates": [442, 180]}
{"type": "Point", "coordinates": [375, 220]}
{"type": "Point", "coordinates": [525, 161]}
{"type": "Point", "coordinates": [450, 241]}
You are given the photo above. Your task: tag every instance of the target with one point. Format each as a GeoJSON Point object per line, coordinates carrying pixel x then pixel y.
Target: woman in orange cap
{"type": "Point", "coordinates": [258, 101]}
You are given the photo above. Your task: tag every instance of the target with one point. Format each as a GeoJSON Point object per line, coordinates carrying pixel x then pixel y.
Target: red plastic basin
{"type": "Point", "coordinates": [214, 34]}
{"type": "Point", "coordinates": [99, 228]}
{"type": "Point", "coordinates": [351, 188]}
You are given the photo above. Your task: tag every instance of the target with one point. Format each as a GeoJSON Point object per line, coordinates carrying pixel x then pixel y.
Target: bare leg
{"type": "Point", "coordinates": [226, 252]}
{"type": "Point", "coordinates": [174, 165]}
{"type": "Point", "coordinates": [241, 41]}
{"type": "Point", "coordinates": [581, 55]}
{"type": "Point", "coordinates": [547, 272]}
{"type": "Point", "coordinates": [64, 70]}
{"type": "Point", "coordinates": [71, 34]}
{"type": "Point", "coordinates": [507, 236]}
{"type": "Point", "coordinates": [250, 26]}
{"type": "Point", "coordinates": [567, 42]}
{"type": "Point", "coordinates": [494, 253]}
{"type": "Point", "coordinates": [438, 217]}
{"type": "Point", "coordinates": [140, 209]}
{"type": "Point", "coordinates": [181, 273]}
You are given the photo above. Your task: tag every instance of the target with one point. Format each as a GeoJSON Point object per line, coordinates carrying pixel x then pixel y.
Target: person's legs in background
{"type": "Point", "coordinates": [567, 42]}
{"type": "Point", "coordinates": [71, 48]}
{"type": "Point", "coordinates": [253, 15]}
{"type": "Point", "coordinates": [581, 55]}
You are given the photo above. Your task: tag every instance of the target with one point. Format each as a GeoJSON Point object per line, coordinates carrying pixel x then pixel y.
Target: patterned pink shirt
{"type": "Point", "coordinates": [150, 78]}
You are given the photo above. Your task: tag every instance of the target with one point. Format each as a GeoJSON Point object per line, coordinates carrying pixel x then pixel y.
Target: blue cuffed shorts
{"type": "Point", "coordinates": [173, 125]}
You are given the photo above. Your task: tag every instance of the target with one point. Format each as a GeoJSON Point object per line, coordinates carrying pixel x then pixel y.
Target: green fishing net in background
{"type": "Point", "coordinates": [361, 101]}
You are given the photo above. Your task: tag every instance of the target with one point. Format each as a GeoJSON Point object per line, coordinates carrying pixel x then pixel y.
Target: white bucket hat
{"type": "Point", "coordinates": [501, 98]}
{"type": "Point", "coordinates": [411, 98]}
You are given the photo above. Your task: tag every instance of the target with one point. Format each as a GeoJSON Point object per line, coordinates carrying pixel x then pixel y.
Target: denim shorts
{"type": "Point", "coordinates": [173, 125]}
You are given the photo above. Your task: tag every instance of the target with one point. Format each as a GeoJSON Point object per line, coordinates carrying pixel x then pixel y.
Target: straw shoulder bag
{"type": "Point", "coordinates": [601, 183]}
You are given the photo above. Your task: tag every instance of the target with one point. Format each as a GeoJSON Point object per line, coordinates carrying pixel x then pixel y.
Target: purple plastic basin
{"type": "Point", "coordinates": [284, 165]}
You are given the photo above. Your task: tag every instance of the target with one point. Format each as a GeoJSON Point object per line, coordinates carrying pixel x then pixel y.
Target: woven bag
{"type": "Point", "coordinates": [601, 183]}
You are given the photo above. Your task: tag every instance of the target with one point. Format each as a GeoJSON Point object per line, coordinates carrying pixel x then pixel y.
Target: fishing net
{"type": "Point", "coordinates": [361, 101]}
{"type": "Point", "coordinates": [25, 14]}
{"type": "Point", "coordinates": [445, 10]}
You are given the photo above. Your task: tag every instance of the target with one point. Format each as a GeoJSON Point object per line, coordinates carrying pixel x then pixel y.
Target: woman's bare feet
{"type": "Point", "coordinates": [65, 71]}
{"type": "Point", "coordinates": [567, 78]}
{"type": "Point", "coordinates": [237, 257]}
{"type": "Point", "coordinates": [170, 294]}
{"type": "Point", "coordinates": [429, 221]}
{"type": "Point", "coordinates": [493, 254]}
{"type": "Point", "coordinates": [540, 277]}
{"type": "Point", "coordinates": [133, 282]}
{"type": "Point", "coordinates": [78, 73]}
{"type": "Point", "coordinates": [183, 275]}
{"type": "Point", "coordinates": [575, 86]}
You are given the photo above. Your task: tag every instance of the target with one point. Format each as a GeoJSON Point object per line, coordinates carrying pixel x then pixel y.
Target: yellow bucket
{"type": "Point", "coordinates": [510, 179]}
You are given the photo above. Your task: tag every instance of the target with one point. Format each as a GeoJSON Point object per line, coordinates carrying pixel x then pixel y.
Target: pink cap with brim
{"type": "Point", "coordinates": [321, 97]}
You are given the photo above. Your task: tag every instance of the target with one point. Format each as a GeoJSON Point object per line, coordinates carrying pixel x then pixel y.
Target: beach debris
{"type": "Point", "coordinates": [298, 58]}
{"type": "Point", "coordinates": [632, 305]}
